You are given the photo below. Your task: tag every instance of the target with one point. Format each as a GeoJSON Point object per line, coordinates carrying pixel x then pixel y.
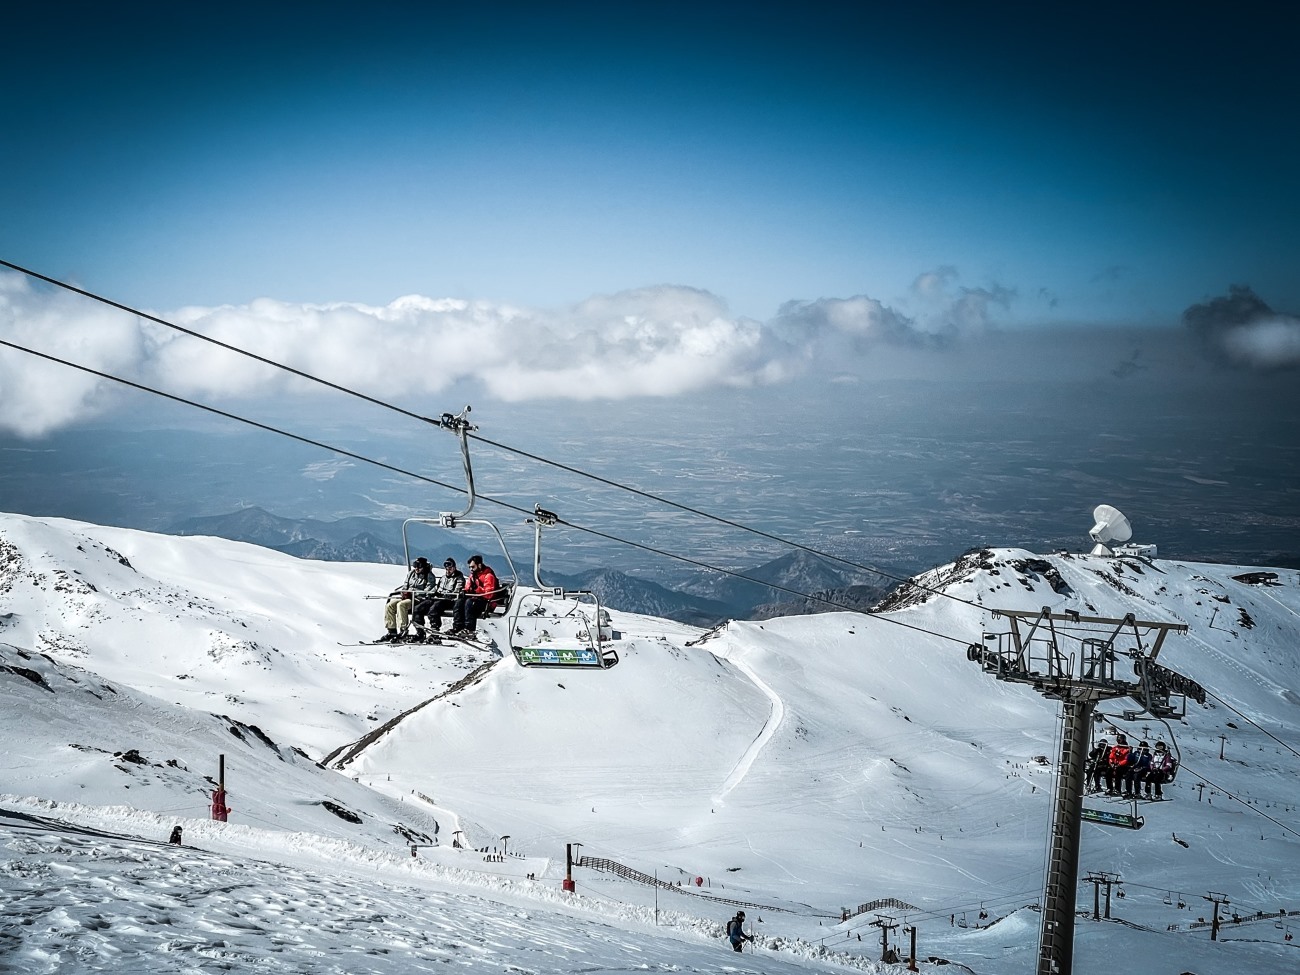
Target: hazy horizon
{"type": "Point", "coordinates": [900, 473]}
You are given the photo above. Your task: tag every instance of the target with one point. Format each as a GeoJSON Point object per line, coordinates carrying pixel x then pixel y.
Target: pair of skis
{"type": "Point", "coordinates": [443, 638]}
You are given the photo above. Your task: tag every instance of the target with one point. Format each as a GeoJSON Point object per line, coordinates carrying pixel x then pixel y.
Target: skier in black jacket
{"type": "Point", "coordinates": [736, 931]}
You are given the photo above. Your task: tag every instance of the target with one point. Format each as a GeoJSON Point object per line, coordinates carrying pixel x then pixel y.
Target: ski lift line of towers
{"type": "Point", "coordinates": [1029, 653]}
{"type": "Point", "coordinates": [548, 626]}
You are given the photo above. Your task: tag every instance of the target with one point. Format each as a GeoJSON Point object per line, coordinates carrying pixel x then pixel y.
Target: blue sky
{"type": "Point", "coordinates": [1082, 166]}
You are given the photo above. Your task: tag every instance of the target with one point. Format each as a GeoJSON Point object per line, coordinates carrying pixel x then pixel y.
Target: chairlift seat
{"type": "Point", "coordinates": [502, 598]}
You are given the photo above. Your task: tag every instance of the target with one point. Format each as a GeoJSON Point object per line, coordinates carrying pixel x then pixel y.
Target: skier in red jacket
{"type": "Point", "coordinates": [482, 592]}
{"type": "Point", "coordinates": [1121, 759]}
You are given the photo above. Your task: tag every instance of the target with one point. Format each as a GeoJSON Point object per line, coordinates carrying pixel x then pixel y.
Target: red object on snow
{"type": "Point", "coordinates": [219, 808]}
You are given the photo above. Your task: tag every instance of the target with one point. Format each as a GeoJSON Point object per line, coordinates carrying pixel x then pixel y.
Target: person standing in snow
{"type": "Point", "coordinates": [446, 590]}
{"type": "Point", "coordinates": [736, 931]}
{"type": "Point", "coordinates": [397, 611]}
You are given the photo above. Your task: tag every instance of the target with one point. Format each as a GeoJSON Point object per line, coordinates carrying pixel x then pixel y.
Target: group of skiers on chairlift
{"type": "Point", "coordinates": [1130, 772]}
{"type": "Point", "coordinates": [426, 596]}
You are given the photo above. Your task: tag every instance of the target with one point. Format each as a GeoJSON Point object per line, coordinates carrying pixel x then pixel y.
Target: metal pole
{"type": "Point", "coordinates": [1056, 942]}
{"type": "Point", "coordinates": [568, 884]}
{"type": "Point", "coordinates": [220, 811]}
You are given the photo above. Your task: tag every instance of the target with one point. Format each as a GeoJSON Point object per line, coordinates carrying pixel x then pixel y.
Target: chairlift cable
{"type": "Point", "coordinates": [231, 416]}
{"type": "Point", "coordinates": [939, 913]}
{"type": "Point", "coordinates": [338, 387]}
{"type": "Point", "coordinates": [1238, 798]}
{"type": "Point", "coordinates": [429, 480]}
{"type": "Point", "coordinates": [712, 517]}
{"type": "Point", "coordinates": [1245, 718]}
{"type": "Point", "coordinates": [740, 575]}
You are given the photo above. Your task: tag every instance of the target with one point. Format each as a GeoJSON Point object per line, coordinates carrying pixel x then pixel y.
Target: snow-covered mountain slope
{"type": "Point", "coordinates": [806, 764]}
{"type": "Point", "coordinates": [209, 624]}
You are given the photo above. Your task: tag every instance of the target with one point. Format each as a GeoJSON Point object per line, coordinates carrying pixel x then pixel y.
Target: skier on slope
{"type": "Point", "coordinates": [736, 931]}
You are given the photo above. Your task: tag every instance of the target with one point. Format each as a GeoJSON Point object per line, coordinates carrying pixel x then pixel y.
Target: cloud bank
{"type": "Point", "coordinates": [1240, 329]}
{"type": "Point", "coordinates": [37, 395]}
{"type": "Point", "coordinates": [656, 341]}
{"type": "Point", "coordinates": [941, 313]}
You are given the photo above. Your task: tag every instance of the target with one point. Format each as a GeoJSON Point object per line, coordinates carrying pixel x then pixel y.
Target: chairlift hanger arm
{"type": "Point", "coordinates": [460, 426]}
{"type": "Point", "coordinates": [541, 519]}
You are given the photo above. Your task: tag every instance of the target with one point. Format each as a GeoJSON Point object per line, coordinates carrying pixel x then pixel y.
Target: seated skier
{"type": "Point", "coordinates": [1117, 765]}
{"type": "Point", "coordinates": [397, 610]}
{"type": "Point", "coordinates": [482, 591]}
{"type": "Point", "coordinates": [1161, 771]}
{"type": "Point", "coordinates": [441, 599]}
{"type": "Point", "coordinates": [1098, 762]}
{"type": "Point", "coordinates": [1137, 770]}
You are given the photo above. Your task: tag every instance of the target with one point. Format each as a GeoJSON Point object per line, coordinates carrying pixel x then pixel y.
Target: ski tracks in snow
{"type": "Point", "coordinates": [774, 718]}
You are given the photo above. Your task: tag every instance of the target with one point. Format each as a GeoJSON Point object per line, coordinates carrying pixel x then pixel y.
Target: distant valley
{"type": "Point", "coordinates": [779, 587]}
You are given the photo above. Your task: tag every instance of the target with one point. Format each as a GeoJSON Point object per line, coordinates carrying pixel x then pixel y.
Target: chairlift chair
{"type": "Point", "coordinates": [555, 627]}
{"type": "Point", "coordinates": [1108, 817]}
{"type": "Point", "coordinates": [508, 580]}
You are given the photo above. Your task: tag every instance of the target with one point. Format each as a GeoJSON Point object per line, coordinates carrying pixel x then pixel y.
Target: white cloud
{"type": "Point", "coordinates": [37, 395]}
{"type": "Point", "coordinates": [664, 340]}
{"type": "Point", "coordinates": [860, 318]}
{"type": "Point", "coordinates": [658, 341]}
{"type": "Point", "coordinates": [937, 312]}
{"type": "Point", "coordinates": [945, 308]}
{"type": "Point", "coordinates": [1241, 329]}
{"type": "Point", "coordinates": [1270, 344]}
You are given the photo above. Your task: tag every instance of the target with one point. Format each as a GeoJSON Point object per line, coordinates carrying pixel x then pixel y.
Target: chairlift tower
{"type": "Point", "coordinates": [1030, 653]}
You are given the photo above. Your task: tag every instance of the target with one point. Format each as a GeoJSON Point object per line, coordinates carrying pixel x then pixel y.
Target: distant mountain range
{"type": "Point", "coordinates": [704, 599]}
{"type": "Point", "coordinates": [345, 540]}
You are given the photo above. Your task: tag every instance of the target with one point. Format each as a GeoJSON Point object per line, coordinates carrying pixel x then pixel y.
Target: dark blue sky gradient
{"type": "Point", "coordinates": [1105, 164]}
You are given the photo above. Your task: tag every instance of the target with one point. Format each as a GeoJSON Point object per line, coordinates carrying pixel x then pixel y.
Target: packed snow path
{"type": "Point", "coordinates": [746, 761]}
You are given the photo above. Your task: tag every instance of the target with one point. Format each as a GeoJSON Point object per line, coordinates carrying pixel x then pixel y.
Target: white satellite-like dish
{"type": "Point", "coordinates": [1111, 528]}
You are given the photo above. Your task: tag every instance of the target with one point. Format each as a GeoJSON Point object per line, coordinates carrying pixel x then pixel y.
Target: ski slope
{"type": "Point", "coordinates": [804, 765]}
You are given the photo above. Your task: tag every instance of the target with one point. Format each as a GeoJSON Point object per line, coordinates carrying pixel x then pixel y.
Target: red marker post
{"type": "Point", "coordinates": [219, 808]}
